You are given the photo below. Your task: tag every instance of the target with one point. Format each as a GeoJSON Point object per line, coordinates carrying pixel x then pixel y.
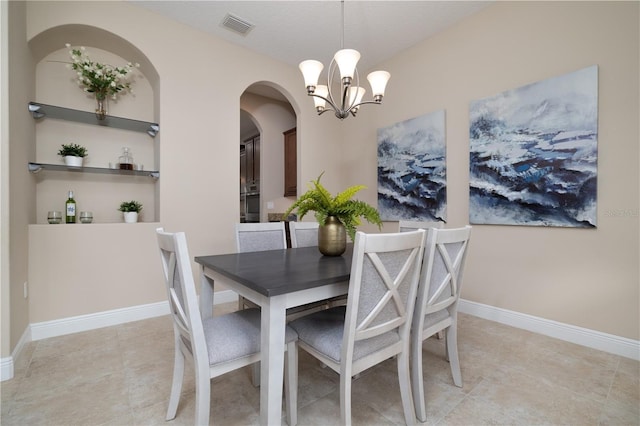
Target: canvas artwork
{"type": "Point", "coordinates": [412, 169]}
{"type": "Point", "coordinates": [533, 154]}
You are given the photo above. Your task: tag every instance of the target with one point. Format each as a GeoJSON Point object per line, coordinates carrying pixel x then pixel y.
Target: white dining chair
{"type": "Point", "coordinates": [375, 324]}
{"type": "Point", "coordinates": [216, 345]}
{"type": "Point", "coordinates": [410, 225]}
{"type": "Point", "coordinates": [259, 237]}
{"type": "Point", "coordinates": [303, 234]}
{"type": "Point", "coordinates": [437, 303]}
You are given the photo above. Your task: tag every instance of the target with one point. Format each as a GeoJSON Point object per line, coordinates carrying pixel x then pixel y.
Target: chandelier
{"type": "Point", "coordinates": [348, 89]}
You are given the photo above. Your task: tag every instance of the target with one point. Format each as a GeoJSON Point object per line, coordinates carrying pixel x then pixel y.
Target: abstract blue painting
{"type": "Point", "coordinates": [412, 169]}
{"type": "Point", "coordinates": [533, 154]}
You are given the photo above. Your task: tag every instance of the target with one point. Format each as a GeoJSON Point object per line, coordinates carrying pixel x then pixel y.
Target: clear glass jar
{"type": "Point", "coordinates": [126, 160]}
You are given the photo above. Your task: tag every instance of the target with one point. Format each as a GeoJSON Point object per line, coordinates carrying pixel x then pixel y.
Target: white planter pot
{"type": "Point", "coordinates": [72, 161]}
{"type": "Point", "coordinates": [130, 217]}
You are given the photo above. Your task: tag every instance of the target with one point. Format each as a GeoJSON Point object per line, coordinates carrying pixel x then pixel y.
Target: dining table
{"type": "Point", "coordinates": [275, 280]}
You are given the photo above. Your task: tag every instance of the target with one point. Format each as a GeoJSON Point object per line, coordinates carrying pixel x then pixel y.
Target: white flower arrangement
{"type": "Point", "coordinates": [101, 79]}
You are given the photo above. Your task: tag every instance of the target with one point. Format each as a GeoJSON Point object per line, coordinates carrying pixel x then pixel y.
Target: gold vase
{"type": "Point", "coordinates": [332, 237]}
{"type": "Point", "coordinates": [101, 109]}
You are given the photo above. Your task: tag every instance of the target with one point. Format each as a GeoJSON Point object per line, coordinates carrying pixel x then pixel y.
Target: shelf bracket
{"type": "Point", "coordinates": [35, 110]}
{"type": "Point", "coordinates": [153, 130]}
{"type": "Point", "coordinates": [154, 175]}
{"type": "Point", "coordinates": [34, 168]}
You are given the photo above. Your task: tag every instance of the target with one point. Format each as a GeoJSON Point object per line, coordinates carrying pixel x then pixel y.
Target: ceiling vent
{"type": "Point", "coordinates": [237, 24]}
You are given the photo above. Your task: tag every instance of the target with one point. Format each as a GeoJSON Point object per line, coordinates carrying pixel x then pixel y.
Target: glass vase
{"type": "Point", "coordinates": [101, 108]}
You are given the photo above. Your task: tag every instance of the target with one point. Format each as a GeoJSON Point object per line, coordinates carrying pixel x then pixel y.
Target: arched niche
{"type": "Point", "coordinates": [55, 85]}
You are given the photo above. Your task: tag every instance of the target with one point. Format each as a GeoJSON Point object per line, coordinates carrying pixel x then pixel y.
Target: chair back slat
{"type": "Point", "coordinates": [180, 318]}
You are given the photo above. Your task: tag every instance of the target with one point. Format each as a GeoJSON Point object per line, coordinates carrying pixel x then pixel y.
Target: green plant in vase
{"type": "Point", "coordinates": [103, 80]}
{"type": "Point", "coordinates": [334, 212]}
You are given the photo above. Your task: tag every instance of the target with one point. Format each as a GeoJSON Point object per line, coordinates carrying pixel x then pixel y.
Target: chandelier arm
{"type": "Point", "coordinates": [331, 104]}
{"type": "Point", "coordinates": [330, 74]}
{"type": "Point", "coordinates": [361, 103]}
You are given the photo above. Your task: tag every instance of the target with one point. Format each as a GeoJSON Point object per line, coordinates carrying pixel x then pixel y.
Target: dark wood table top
{"type": "Point", "coordinates": [276, 272]}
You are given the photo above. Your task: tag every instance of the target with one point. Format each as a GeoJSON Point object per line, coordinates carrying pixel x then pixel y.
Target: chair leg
{"type": "Point", "coordinates": [452, 353]}
{"type": "Point", "coordinates": [176, 385]}
{"type": "Point", "coordinates": [417, 383]}
{"type": "Point", "coordinates": [345, 399]}
{"type": "Point", "coordinates": [203, 395]}
{"type": "Point", "coordinates": [291, 383]}
{"type": "Point", "coordinates": [255, 374]}
{"type": "Point", "coordinates": [404, 377]}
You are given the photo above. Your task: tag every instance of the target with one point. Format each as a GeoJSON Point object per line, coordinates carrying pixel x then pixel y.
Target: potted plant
{"type": "Point", "coordinates": [130, 210]}
{"type": "Point", "coordinates": [73, 154]}
{"type": "Point", "coordinates": [337, 216]}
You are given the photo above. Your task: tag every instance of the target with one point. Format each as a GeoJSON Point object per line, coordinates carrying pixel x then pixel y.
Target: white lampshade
{"type": "Point", "coordinates": [321, 90]}
{"type": "Point", "coordinates": [311, 70]}
{"type": "Point", "coordinates": [347, 59]}
{"type": "Point", "coordinates": [355, 92]}
{"type": "Point", "coordinates": [378, 81]}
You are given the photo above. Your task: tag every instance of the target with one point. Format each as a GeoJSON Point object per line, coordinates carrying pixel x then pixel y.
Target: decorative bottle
{"type": "Point", "coordinates": [70, 208]}
{"type": "Point", "coordinates": [126, 160]}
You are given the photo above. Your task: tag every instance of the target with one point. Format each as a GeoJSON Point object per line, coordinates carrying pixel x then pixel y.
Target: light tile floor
{"type": "Point", "coordinates": [121, 375]}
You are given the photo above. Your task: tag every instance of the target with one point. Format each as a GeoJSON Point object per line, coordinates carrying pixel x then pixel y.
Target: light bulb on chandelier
{"type": "Point", "coordinates": [351, 93]}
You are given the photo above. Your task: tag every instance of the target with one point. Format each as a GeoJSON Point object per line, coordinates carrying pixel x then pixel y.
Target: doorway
{"type": "Point", "coordinates": [265, 114]}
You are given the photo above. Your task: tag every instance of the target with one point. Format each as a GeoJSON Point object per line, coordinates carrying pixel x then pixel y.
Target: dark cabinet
{"type": "Point", "coordinates": [250, 165]}
{"type": "Point", "coordinates": [290, 163]}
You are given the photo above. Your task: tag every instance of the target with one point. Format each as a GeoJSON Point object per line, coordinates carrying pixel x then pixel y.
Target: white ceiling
{"type": "Point", "coordinates": [292, 31]}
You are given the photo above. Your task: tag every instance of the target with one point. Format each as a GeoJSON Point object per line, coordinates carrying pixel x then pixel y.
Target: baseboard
{"type": "Point", "coordinates": [7, 364]}
{"type": "Point", "coordinates": [61, 327]}
{"type": "Point", "coordinates": [582, 336]}
{"type": "Point", "coordinates": [44, 330]}
{"type": "Point", "coordinates": [6, 368]}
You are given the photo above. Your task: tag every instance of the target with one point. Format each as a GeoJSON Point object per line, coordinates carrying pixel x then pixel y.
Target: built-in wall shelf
{"type": "Point", "coordinates": [39, 110]}
{"type": "Point", "coordinates": [37, 167]}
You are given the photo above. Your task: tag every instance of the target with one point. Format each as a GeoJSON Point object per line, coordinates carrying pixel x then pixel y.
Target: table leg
{"type": "Point", "coordinates": [206, 295]}
{"type": "Point", "coordinates": [273, 321]}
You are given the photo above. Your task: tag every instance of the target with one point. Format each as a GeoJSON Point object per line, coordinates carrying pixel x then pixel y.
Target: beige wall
{"type": "Point", "coordinates": [5, 305]}
{"type": "Point", "coordinates": [587, 278]}
{"type": "Point", "coordinates": [584, 277]}
{"type": "Point", "coordinates": [21, 201]}
{"type": "Point", "coordinates": [197, 106]}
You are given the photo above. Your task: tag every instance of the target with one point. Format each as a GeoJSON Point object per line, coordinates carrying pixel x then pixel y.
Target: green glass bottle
{"type": "Point", "coordinates": [70, 207]}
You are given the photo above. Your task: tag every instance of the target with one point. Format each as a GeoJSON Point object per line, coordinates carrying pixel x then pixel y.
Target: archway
{"type": "Point", "coordinates": [265, 108]}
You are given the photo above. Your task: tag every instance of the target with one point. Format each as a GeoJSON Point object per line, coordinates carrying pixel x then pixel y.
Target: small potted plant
{"type": "Point", "coordinates": [73, 154]}
{"type": "Point", "coordinates": [130, 210]}
{"type": "Point", "coordinates": [335, 215]}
